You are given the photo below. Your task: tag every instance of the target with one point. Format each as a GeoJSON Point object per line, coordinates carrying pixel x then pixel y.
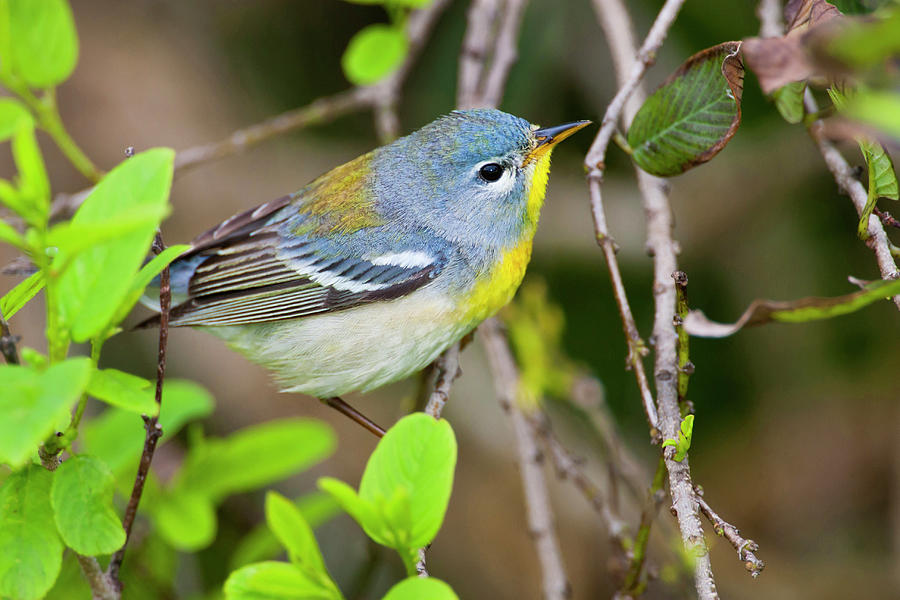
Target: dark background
{"type": "Point", "coordinates": [797, 426]}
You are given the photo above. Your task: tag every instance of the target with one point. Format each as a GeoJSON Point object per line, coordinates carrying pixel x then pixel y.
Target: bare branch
{"type": "Point", "coordinates": [540, 513]}
{"type": "Point", "coordinates": [770, 18]}
{"type": "Point", "coordinates": [151, 424]}
{"type": "Point", "coordinates": [646, 56]}
{"type": "Point", "coordinates": [322, 110]}
{"type": "Point", "coordinates": [746, 549]}
{"type": "Point", "coordinates": [447, 371]}
{"type": "Point", "coordinates": [102, 585]}
{"type": "Point", "coordinates": [614, 18]}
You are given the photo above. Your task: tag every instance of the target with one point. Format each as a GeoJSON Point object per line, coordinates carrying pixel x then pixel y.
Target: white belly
{"type": "Point", "coordinates": [357, 349]}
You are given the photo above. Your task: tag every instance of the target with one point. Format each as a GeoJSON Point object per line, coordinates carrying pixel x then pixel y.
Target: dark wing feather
{"type": "Point", "coordinates": [252, 273]}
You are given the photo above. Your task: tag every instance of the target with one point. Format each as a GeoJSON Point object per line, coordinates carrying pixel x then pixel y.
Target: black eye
{"type": "Point", "coordinates": [491, 172]}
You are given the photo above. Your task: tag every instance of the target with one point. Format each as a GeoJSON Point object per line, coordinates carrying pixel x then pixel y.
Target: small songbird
{"type": "Point", "coordinates": [368, 273]}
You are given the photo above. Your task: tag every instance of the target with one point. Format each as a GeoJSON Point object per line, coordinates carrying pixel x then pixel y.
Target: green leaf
{"type": "Point", "coordinates": [293, 532]}
{"type": "Point", "coordinates": [882, 174]}
{"type": "Point", "coordinates": [421, 588]}
{"type": "Point", "coordinates": [82, 496]}
{"type": "Point", "coordinates": [117, 436]}
{"type": "Point", "coordinates": [124, 390]}
{"type": "Point", "coordinates": [72, 238]}
{"type": "Point", "coordinates": [19, 296]}
{"type": "Point", "coordinates": [418, 456]}
{"type": "Point", "coordinates": [97, 280]}
{"type": "Point", "coordinates": [880, 110]}
{"type": "Point", "coordinates": [256, 456]}
{"type": "Point", "coordinates": [13, 116]}
{"type": "Point", "coordinates": [260, 544]}
{"type": "Point", "coordinates": [34, 185]}
{"type": "Point", "coordinates": [863, 43]}
{"type": "Point", "coordinates": [9, 235]}
{"type": "Point", "coordinates": [362, 511]}
{"type": "Point", "coordinates": [33, 402]}
{"type": "Point", "coordinates": [275, 581]}
{"type": "Point", "coordinates": [789, 101]}
{"type": "Point", "coordinates": [44, 42]}
{"type": "Point", "coordinates": [30, 548]}
{"type": "Point", "coordinates": [185, 519]}
{"type": "Point", "coordinates": [693, 115]}
{"type": "Point", "coordinates": [145, 276]}
{"type": "Point", "coordinates": [373, 53]}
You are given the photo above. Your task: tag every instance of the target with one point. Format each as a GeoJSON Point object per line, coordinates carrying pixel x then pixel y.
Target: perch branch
{"type": "Point", "coordinates": [447, 371]}
{"type": "Point", "coordinates": [540, 513]}
{"type": "Point", "coordinates": [614, 17]}
{"type": "Point", "coordinates": [151, 424]}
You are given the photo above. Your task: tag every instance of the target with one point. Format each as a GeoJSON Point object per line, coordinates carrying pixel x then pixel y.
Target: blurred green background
{"type": "Point", "coordinates": [797, 426]}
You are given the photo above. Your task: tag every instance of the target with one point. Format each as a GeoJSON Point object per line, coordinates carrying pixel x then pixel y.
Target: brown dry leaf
{"type": "Point", "coordinates": [781, 60]}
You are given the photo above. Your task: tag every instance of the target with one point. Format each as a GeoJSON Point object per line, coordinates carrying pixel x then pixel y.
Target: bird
{"type": "Point", "coordinates": [368, 273]}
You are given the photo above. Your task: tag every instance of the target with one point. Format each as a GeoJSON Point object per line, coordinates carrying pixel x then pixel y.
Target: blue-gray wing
{"type": "Point", "coordinates": [253, 269]}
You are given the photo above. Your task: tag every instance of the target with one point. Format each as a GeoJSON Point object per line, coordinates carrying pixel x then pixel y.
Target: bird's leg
{"type": "Point", "coordinates": [348, 411]}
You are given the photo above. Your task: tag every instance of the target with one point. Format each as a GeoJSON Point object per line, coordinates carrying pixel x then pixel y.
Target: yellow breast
{"type": "Point", "coordinates": [497, 288]}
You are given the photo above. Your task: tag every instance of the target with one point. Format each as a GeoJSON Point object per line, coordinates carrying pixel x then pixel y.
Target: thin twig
{"type": "Point", "coordinates": [569, 468]}
{"type": "Point", "coordinates": [447, 371]}
{"type": "Point", "coordinates": [505, 53]}
{"type": "Point", "coordinates": [685, 366]}
{"type": "Point", "coordinates": [540, 513]}
{"type": "Point", "coordinates": [8, 343]}
{"type": "Point", "coordinates": [613, 16]}
{"type": "Point", "coordinates": [746, 549]}
{"type": "Point", "coordinates": [319, 111]}
{"type": "Point", "coordinates": [151, 424]}
{"type": "Point", "coordinates": [887, 220]}
{"type": "Point", "coordinates": [632, 584]}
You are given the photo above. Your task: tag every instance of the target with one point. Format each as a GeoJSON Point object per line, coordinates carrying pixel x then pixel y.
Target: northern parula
{"type": "Point", "coordinates": [368, 273]}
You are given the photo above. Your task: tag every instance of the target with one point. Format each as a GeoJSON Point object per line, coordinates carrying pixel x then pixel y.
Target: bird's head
{"type": "Point", "coordinates": [477, 176]}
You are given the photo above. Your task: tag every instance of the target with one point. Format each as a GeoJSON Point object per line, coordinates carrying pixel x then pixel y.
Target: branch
{"type": "Point", "coordinates": [614, 19]}
{"type": "Point", "coordinates": [746, 549]}
{"type": "Point", "coordinates": [843, 175]}
{"type": "Point", "coordinates": [448, 370]}
{"type": "Point", "coordinates": [568, 467]}
{"type": "Point", "coordinates": [151, 424]}
{"type": "Point", "coordinates": [102, 585]}
{"type": "Point", "coordinates": [540, 514]}
{"type": "Point", "coordinates": [484, 66]}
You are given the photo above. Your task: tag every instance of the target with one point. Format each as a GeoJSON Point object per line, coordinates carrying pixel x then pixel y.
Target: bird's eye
{"type": "Point", "coordinates": [491, 172]}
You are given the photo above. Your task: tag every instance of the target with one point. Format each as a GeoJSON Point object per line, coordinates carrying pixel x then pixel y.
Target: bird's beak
{"type": "Point", "coordinates": [547, 137]}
